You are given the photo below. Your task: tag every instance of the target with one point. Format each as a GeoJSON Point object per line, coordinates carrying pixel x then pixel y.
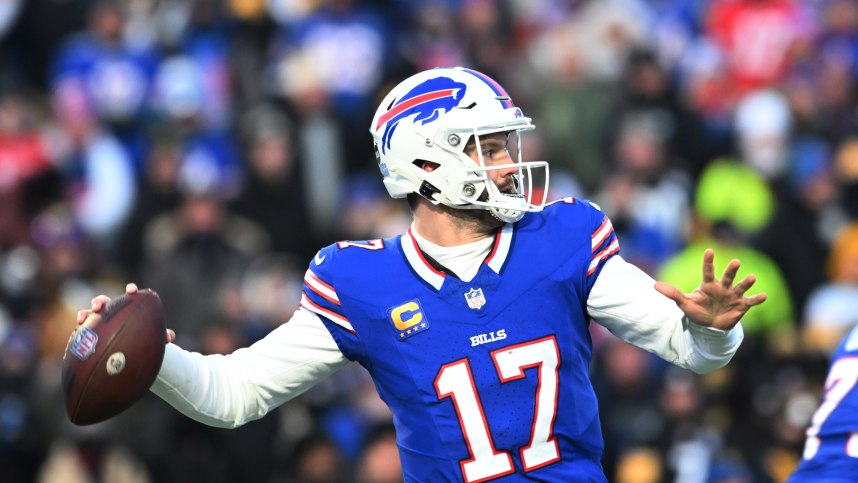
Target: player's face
{"type": "Point", "coordinates": [494, 150]}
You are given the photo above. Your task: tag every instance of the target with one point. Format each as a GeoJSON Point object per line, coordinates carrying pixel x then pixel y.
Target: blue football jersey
{"type": "Point", "coordinates": [831, 449]}
{"type": "Point", "coordinates": [487, 379]}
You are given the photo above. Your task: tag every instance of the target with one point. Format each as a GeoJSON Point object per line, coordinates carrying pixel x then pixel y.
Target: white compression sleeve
{"type": "Point", "coordinates": [228, 391]}
{"type": "Point", "coordinates": [624, 301]}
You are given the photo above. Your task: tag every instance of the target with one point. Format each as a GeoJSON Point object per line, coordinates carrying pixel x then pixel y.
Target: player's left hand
{"type": "Point", "coordinates": [715, 303]}
{"type": "Point", "coordinates": [100, 302]}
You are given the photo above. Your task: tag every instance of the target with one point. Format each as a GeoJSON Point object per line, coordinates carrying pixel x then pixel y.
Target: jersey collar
{"type": "Point", "coordinates": [434, 275]}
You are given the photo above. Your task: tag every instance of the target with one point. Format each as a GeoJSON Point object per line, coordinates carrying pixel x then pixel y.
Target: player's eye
{"type": "Point", "coordinates": [493, 152]}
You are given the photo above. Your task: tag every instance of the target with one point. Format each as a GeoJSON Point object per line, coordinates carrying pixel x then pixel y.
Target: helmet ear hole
{"type": "Point", "coordinates": [425, 165]}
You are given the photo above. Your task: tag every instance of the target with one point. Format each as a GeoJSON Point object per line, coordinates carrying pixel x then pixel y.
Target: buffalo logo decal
{"type": "Point", "coordinates": [425, 101]}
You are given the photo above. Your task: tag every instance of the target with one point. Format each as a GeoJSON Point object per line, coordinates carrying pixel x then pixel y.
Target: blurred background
{"type": "Point", "coordinates": [208, 148]}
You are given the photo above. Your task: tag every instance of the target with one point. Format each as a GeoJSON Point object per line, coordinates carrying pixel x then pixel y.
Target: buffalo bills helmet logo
{"type": "Point", "coordinates": [425, 100]}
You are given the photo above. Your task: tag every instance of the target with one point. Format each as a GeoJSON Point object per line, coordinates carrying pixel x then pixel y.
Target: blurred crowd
{"type": "Point", "coordinates": [208, 148]}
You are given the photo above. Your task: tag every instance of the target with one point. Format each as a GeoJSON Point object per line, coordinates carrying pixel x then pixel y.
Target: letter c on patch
{"type": "Point", "coordinates": [406, 315]}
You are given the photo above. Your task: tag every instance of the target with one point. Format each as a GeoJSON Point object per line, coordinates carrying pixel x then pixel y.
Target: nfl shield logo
{"type": "Point", "coordinates": [475, 298]}
{"type": "Point", "coordinates": [83, 344]}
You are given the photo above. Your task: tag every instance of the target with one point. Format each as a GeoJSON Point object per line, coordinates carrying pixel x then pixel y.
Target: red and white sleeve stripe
{"type": "Point", "coordinates": [602, 234]}
{"type": "Point", "coordinates": [320, 298]}
{"type": "Point", "coordinates": [605, 230]}
{"type": "Point", "coordinates": [321, 288]}
{"type": "Point", "coordinates": [611, 249]}
{"type": "Point", "coordinates": [329, 314]}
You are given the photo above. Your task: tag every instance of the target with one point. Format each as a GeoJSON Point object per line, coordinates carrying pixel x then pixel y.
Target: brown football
{"type": "Point", "coordinates": [113, 357]}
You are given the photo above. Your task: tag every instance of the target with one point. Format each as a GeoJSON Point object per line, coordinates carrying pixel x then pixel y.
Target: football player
{"type": "Point", "coordinates": [474, 322]}
{"type": "Point", "coordinates": [831, 450]}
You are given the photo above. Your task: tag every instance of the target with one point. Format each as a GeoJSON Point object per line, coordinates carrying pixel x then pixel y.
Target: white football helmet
{"type": "Point", "coordinates": [430, 117]}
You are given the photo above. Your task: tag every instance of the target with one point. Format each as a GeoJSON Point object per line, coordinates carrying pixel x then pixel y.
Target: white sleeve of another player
{"type": "Point", "coordinates": [230, 390]}
{"type": "Point", "coordinates": [624, 300]}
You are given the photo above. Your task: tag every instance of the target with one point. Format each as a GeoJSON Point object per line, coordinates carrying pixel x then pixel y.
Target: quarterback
{"type": "Point", "coordinates": [474, 322]}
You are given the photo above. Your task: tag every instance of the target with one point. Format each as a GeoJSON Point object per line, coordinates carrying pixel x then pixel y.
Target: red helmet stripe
{"type": "Point", "coordinates": [409, 103]}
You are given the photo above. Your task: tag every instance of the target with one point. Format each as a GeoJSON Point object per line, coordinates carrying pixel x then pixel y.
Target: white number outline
{"type": "Point", "coordinates": [486, 462]}
{"type": "Point", "coordinates": [841, 379]}
{"type": "Point", "coordinates": [456, 381]}
{"type": "Point", "coordinates": [376, 244]}
{"type": "Point", "coordinates": [542, 450]}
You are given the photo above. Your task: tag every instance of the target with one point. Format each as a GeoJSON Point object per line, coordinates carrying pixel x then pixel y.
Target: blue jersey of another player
{"type": "Point", "coordinates": [486, 379]}
{"type": "Point", "coordinates": [831, 450]}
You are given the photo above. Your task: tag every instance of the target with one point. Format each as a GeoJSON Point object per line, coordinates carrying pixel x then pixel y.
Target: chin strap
{"type": "Point", "coordinates": [428, 191]}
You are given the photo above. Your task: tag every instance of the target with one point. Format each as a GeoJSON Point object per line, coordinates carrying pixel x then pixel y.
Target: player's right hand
{"type": "Point", "coordinates": [100, 301]}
